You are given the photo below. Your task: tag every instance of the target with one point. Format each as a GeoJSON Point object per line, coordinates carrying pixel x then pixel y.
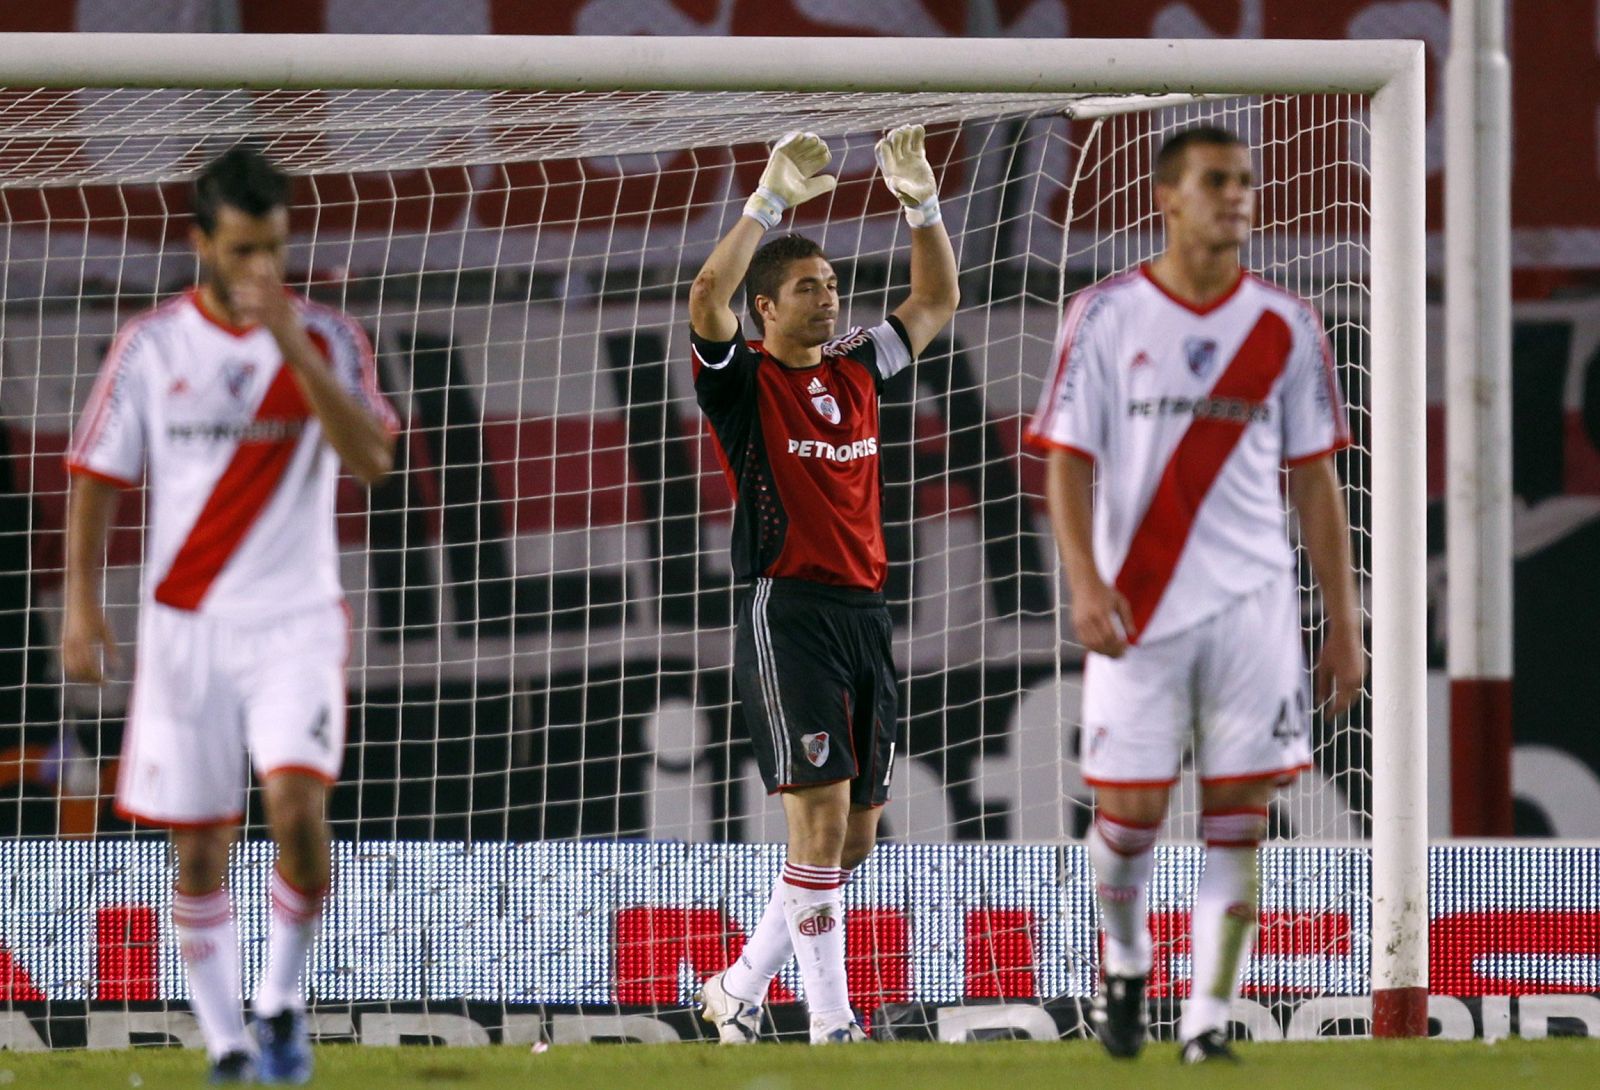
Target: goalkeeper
{"type": "Point", "coordinates": [795, 417]}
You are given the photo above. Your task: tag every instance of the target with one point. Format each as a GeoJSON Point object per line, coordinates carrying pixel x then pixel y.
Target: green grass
{"type": "Point", "coordinates": [1322, 1065]}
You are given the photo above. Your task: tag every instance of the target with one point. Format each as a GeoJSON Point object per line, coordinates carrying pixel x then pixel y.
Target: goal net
{"type": "Point", "coordinates": [549, 823]}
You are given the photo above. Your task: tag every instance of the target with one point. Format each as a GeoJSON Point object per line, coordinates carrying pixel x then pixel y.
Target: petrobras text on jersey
{"type": "Point", "coordinates": [1237, 410]}
{"type": "Point", "coordinates": [841, 452]}
{"type": "Point", "coordinates": [271, 430]}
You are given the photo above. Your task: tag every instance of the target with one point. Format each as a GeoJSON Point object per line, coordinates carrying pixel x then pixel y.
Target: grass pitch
{"type": "Point", "coordinates": [1321, 1065]}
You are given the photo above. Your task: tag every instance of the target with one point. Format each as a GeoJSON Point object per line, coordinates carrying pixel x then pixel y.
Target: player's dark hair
{"type": "Point", "coordinates": [241, 178]}
{"type": "Point", "coordinates": [1169, 160]}
{"type": "Point", "coordinates": [770, 266]}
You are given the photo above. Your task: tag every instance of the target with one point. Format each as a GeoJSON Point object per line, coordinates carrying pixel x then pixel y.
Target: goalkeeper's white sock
{"type": "Point", "coordinates": [1224, 919]}
{"type": "Point", "coordinates": [209, 943]}
{"type": "Point", "coordinates": [813, 906]}
{"type": "Point", "coordinates": [296, 915]}
{"type": "Point", "coordinates": [764, 953]}
{"type": "Point", "coordinates": [1124, 856]}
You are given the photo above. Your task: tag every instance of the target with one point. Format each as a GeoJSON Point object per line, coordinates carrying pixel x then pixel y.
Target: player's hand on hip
{"type": "Point", "coordinates": [85, 635]}
{"type": "Point", "coordinates": [792, 177]}
{"type": "Point", "coordinates": [1341, 668]}
{"type": "Point", "coordinates": [903, 160]}
{"type": "Point", "coordinates": [1102, 618]}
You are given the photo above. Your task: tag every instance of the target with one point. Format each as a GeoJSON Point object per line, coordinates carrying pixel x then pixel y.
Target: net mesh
{"type": "Point", "coordinates": [548, 802]}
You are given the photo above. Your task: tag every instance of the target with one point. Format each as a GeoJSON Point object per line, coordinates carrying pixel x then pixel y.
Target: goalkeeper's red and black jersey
{"type": "Point", "coordinates": [800, 448]}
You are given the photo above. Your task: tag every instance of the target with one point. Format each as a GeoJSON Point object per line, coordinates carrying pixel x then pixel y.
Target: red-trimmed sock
{"type": "Point", "coordinates": [209, 943]}
{"type": "Point", "coordinates": [813, 907]}
{"type": "Point", "coordinates": [1224, 918]}
{"type": "Point", "coordinates": [764, 953]}
{"type": "Point", "coordinates": [1124, 857]}
{"type": "Point", "coordinates": [296, 915]}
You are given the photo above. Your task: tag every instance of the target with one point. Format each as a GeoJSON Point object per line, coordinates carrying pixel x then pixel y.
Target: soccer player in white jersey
{"type": "Point", "coordinates": [236, 403]}
{"type": "Point", "coordinates": [1179, 393]}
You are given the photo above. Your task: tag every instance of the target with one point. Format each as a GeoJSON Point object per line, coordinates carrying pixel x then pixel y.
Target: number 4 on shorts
{"type": "Point", "coordinates": [319, 728]}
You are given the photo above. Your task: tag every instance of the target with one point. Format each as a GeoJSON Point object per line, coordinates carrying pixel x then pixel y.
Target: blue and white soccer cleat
{"type": "Point", "coordinates": [285, 1049]}
{"type": "Point", "coordinates": [846, 1033]}
{"type": "Point", "coordinates": [738, 1021]}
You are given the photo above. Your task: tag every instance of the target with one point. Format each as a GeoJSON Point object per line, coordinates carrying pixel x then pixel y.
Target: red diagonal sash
{"type": "Point", "coordinates": [243, 490]}
{"type": "Point", "coordinates": [1193, 468]}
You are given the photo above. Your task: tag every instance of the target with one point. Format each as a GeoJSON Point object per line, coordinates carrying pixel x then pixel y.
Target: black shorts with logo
{"type": "Point", "coordinates": [814, 668]}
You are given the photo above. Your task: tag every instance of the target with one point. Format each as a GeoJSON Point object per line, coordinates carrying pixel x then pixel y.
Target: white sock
{"type": "Point", "coordinates": [1124, 857]}
{"type": "Point", "coordinates": [813, 907]}
{"type": "Point", "coordinates": [764, 953]}
{"type": "Point", "coordinates": [1224, 919]}
{"type": "Point", "coordinates": [296, 914]}
{"type": "Point", "coordinates": [209, 943]}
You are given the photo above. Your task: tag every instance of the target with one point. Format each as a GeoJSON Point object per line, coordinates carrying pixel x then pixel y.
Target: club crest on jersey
{"type": "Point", "coordinates": [823, 402]}
{"type": "Point", "coordinates": [816, 747]}
{"type": "Point", "coordinates": [1201, 354]}
{"type": "Point", "coordinates": [237, 374]}
{"type": "Point", "coordinates": [827, 408]}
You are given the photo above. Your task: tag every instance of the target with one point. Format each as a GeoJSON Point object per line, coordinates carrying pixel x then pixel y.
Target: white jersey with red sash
{"type": "Point", "coordinates": [1189, 414]}
{"type": "Point", "coordinates": [241, 485]}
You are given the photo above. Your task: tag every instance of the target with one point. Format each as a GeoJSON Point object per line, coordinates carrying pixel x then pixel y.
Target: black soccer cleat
{"type": "Point", "coordinates": [233, 1068]}
{"type": "Point", "coordinates": [1210, 1046]}
{"type": "Point", "coordinates": [1119, 1016]}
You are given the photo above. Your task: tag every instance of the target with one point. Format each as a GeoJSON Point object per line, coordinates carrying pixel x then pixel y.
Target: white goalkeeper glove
{"type": "Point", "coordinates": [907, 174]}
{"type": "Point", "coordinates": [791, 177]}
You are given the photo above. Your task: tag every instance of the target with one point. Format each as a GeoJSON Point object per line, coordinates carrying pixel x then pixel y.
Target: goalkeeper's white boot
{"type": "Point", "coordinates": [738, 1021]}
{"type": "Point", "coordinates": [844, 1033]}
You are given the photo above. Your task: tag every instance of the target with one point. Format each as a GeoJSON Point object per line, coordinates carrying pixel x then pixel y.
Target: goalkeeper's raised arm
{"type": "Point", "coordinates": [792, 177]}
{"type": "Point", "coordinates": [934, 279]}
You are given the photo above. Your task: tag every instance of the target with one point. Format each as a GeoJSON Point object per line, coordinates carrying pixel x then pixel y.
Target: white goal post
{"type": "Point", "coordinates": [1388, 73]}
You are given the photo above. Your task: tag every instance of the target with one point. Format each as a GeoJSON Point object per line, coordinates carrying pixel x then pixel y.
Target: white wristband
{"type": "Point", "coordinates": [925, 214]}
{"type": "Point", "coordinates": [765, 207]}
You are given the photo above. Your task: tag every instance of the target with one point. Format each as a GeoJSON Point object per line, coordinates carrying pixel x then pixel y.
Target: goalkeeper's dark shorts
{"type": "Point", "coordinates": [814, 669]}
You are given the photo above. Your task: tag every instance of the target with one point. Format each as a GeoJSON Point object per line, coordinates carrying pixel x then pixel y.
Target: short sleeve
{"type": "Point", "coordinates": [110, 439]}
{"type": "Point", "coordinates": [891, 347]}
{"type": "Point", "coordinates": [724, 371]}
{"type": "Point", "coordinates": [1314, 421]}
{"type": "Point", "coordinates": [1071, 414]}
{"type": "Point", "coordinates": [354, 365]}
{"type": "Point", "coordinates": [884, 349]}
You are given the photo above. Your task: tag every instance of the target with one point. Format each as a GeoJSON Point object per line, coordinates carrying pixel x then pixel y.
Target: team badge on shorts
{"type": "Point", "coordinates": [816, 747]}
{"type": "Point", "coordinates": [1201, 354]}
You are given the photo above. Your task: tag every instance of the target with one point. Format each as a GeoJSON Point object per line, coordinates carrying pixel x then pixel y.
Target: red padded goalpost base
{"type": "Point", "coordinates": [1400, 1012]}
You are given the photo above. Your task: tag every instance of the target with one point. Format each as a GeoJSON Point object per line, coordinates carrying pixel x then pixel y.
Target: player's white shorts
{"type": "Point", "coordinates": [1233, 687]}
{"type": "Point", "coordinates": [208, 693]}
